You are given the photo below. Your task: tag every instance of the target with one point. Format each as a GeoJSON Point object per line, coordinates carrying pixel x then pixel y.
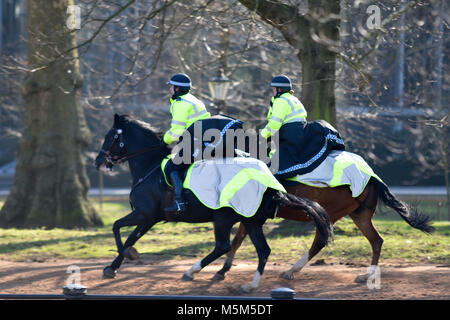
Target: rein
{"type": "Point", "coordinates": [129, 156]}
{"type": "Point", "coordinates": [140, 180]}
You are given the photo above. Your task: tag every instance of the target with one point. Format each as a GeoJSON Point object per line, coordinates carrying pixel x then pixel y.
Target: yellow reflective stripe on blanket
{"type": "Point", "coordinates": [242, 178]}
{"type": "Point", "coordinates": [163, 166]}
{"type": "Point", "coordinates": [187, 180]}
{"type": "Point", "coordinates": [342, 162]}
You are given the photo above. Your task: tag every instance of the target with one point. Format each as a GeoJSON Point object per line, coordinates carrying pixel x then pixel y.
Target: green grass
{"type": "Point", "coordinates": [287, 239]}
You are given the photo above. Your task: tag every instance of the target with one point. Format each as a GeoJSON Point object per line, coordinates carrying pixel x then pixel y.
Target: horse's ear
{"type": "Point", "coordinates": [116, 120]}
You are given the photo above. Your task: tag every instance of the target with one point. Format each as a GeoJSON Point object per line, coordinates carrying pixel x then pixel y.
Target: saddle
{"type": "Point", "coordinates": [301, 151]}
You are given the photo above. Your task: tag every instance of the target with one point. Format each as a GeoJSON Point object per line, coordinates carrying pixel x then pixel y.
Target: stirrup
{"type": "Point", "coordinates": [178, 206]}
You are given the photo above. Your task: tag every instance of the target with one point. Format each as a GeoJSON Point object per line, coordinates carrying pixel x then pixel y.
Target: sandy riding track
{"type": "Point", "coordinates": [320, 281]}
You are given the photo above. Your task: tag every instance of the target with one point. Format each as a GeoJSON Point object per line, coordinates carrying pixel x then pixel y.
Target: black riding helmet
{"type": "Point", "coordinates": [180, 80]}
{"type": "Point", "coordinates": [181, 83]}
{"type": "Point", "coordinates": [282, 83]}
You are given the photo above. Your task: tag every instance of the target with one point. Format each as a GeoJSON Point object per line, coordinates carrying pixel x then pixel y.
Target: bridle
{"type": "Point", "coordinates": [112, 159]}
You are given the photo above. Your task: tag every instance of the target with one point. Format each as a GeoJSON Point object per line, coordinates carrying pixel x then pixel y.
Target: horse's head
{"type": "Point", "coordinates": [113, 147]}
{"type": "Point", "coordinates": [127, 138]}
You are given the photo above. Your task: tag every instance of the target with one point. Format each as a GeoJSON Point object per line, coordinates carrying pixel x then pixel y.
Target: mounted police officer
{"type": "Point", "coordinates": [286, 115]}
{"type": "Point", "coordinates": [302, 145]}
{"type": "Point", "coordinates": [284, 109]}
{"type": "Point", "coordinates": [185, 109]}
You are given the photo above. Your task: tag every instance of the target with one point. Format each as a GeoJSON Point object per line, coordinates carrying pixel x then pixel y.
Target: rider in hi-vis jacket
{"type": "Point", "coordinates": [286, 115]}
{"type": "Point", "coordinates": [185, 110]}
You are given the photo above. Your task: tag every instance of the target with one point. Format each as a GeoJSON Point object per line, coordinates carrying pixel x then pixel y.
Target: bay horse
{"type": "Point", "coordinates": [136, 142]}
{"type": "Point", "coordinates": [338, 203]}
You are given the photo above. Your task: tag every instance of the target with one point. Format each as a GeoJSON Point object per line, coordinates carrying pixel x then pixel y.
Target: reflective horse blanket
{"type": "Point", "coordinates": [338, 169]}
{"type": "Point", "coordinates": [238, 183]}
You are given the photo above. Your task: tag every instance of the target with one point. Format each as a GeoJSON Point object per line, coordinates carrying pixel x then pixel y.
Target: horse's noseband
{"type": "Point", "coordinates": [111, 159]}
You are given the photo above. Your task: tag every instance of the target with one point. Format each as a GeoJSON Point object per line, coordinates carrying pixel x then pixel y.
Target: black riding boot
{"type": "Point", "coordinates": [179, 204]}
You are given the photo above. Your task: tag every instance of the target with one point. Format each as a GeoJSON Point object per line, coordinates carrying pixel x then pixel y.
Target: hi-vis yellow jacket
{"type": "Point", "coordinates": [185, 110]}
{"type": "Point", "coordinates": [285, 109]}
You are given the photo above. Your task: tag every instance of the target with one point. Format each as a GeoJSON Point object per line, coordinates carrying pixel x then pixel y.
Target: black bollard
{"type": "Point", "coordinates": [74, 291]}
{"type": "Point", "coordinates": [282, 294]}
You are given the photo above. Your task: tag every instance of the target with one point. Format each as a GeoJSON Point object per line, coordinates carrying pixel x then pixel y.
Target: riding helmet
{"type": "Point", "coordinates": [180, 80]}
{"type": "Point", "coordinates": [281, 81]}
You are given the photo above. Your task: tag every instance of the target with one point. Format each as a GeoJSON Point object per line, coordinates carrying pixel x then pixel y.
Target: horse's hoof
{"type": "Point", "coordinates": [109, 273]}
{"type": "Point", "coordinates": [131, 253]}
{"type": "Point", "coordinates": [286, 275]}
{"type": "Point", "coordinates": [362, 278]}
{"type": "Point", "coordinates": [187, 277]}
{"type": "Point", "coordinates": [218, 277]}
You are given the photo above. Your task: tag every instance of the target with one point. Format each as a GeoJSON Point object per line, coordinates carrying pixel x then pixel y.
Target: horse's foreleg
{"type": "Point", "coordinates": [237, 242]}
{"type": "Point", "coordinates": [317, 245]}
{"type": "Point", "coordinates": [137, 233]}
{"type": "Point", "coordinates": [263, 250]}
{"type": "Point", "coordinates": [134, 218]}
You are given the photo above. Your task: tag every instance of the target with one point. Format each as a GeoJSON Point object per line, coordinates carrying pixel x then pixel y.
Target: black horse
{"type": "Point", "coordinates": [136, 142]}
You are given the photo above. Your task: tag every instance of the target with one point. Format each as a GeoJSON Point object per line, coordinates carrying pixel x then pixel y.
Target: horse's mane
{"type": "Point", "coordinates": [145, 127]}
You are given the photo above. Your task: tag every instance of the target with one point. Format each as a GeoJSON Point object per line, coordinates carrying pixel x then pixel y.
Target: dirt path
{"type": "Point", "coordinates": [398, 281]}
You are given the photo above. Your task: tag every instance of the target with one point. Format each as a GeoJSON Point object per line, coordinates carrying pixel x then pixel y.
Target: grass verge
{"type": "Point", "coordinates": [287, 239]}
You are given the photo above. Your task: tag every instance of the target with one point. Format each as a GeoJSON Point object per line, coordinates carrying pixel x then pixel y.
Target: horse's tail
{"type": "Point", "coordinates": [312, 209]}
{"type": "Point", "coordinates": [410, 214]}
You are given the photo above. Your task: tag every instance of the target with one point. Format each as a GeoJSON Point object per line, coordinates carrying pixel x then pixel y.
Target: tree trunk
{"type": "Point", "coordinates": [316, 36]}
{"type": "Point", "coordinates": [50, 186]}
{"type": "Point", "coordinates": [318, 82]}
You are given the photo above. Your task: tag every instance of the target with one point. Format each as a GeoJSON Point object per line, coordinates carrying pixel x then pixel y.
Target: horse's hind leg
{"type": "Point", "coordinates": [317, 245]}
{"type": "Point", "coordinates": [222, 229]}
{"type": "Point", "coordinates": [362, 217]}
{"type": "Point", "coordinates": [237, 242]}
{"type": "Point", "coordinates": [256, 234]}
{"type": "Point", "coordinates": [364, 223]}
